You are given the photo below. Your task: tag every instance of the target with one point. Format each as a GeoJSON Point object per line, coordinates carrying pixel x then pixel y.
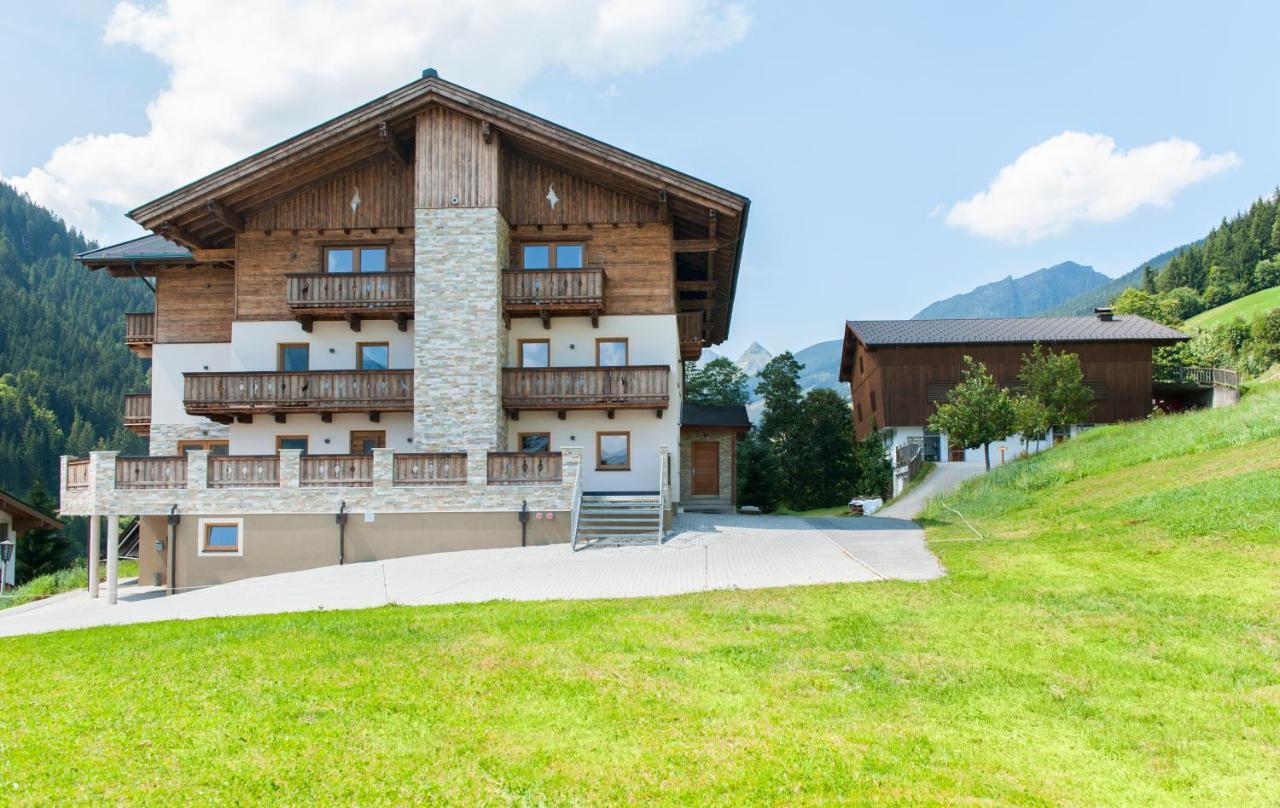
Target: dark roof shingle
{"type": "Point", "coordinates": [733, 415]}
{"type": "Point", "coordinates": [1007, 330]}
{"type": "Point", "coordinates": [144, 248]}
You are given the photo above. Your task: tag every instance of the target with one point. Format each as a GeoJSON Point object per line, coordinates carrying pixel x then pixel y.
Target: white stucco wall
{"type": "Point", "coordinates": [651, 340]}
{"type": "Point", "coordinates": [260, 436]}
{"type": "Point", "coordinates": [1012, 445]}
{"type": "Point", "coordinates": [333, 344]}
{"type": "Point", "coordinates": [168, 363]}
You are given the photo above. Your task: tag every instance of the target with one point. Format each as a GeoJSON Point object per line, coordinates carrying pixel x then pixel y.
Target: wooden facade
{"type": "Point", "coordinates": [899, 386]}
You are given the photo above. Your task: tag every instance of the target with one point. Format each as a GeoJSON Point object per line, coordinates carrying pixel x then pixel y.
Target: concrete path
{"type": "Point", "coordinates": [942, 480]}
{"type": "Point", "coordinates": [705, 552]}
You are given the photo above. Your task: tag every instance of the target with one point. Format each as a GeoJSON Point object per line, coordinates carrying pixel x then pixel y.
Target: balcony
{"type": "Point", "coordinates": [140, 332]}
{"type": "Point", "coordinates": [634, 387]}
{"type": "Point", "coordinates": [690, 328]}
{"type": "Point", "coordinates": [137, 413]}
{"type": "Point", "coordinates": [224, 397]}
{"type": "Point", "coordinates": [352, 297]}
{"type": "Point", "coordinates": [546, 293]}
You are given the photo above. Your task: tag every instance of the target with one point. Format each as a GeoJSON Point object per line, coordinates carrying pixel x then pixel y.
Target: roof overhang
{"type": "Point", "coordinates": [25, 516]}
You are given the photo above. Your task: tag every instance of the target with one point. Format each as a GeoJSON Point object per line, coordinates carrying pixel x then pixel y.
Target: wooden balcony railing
{"type": "Point", "coordinates": [546, 292]}
{"type": "Point", "coordinates": [226, 395]}
{"type": "Point", "coordinates": [352, 295]}
{"type": "Point", "coordinates": [1202, 377]}
{"type": "Point", "coordinates": [689, 326]}
{"type": "Point", "coordinates": [137, 413]}
{"type": "Point", "coordinates": [244, 471]}
{"type": "Point", "coordinates": [341, 470]}
{"type": "Point", "coordinates": [586, 388]}
{"type": "Point", "coordinates": [140, 331]}
{"type": "Point", "coordinates": [442, 468]}
{"type": "Point", "coordinates": [151, 472]}
{"type": "Point", "coordinates": [522, 468]}
{"type": "Point", "coordinates": [78, 474]}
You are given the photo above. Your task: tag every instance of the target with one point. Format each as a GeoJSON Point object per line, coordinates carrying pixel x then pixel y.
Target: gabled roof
{"type": "Point", "coordinates": [1123, 328]}
{"type": "Point", "coordinates": [732, 416]}
{"type": "Point", "coordinates": [145, 248]}
{"type": "Point", "coordinates": [1003, 331]}
{"type": "Point", "coordinates": [26, 517]}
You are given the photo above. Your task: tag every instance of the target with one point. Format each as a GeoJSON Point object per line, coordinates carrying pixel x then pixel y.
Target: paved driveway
{"type": "Point", "coordinates": [705, 551]}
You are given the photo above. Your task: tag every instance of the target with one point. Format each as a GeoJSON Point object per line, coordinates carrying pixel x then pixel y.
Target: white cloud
{"type": "Point", "coordinates": [244, 74]}
{"type": "Point", "coordinates": [1078, 177]}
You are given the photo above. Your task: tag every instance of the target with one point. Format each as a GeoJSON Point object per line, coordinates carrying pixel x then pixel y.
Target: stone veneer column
{"type": "Point", "coordinates": [459, 341]}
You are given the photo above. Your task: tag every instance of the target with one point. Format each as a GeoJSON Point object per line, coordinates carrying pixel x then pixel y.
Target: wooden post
{"type": "Point", "coordinates": [113, 557]}
{"type": "Point", "coordinates": [95, 539]}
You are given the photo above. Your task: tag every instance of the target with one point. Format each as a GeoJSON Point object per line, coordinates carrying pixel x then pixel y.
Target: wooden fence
{"type": "Point", "coordinates": [337, 470]}
{"type": "Point", "coordinates": [151, 472]}
{"type": "Point", "coordinates": [441, 468]}
{"type": "Point", "coordinates": [520, 468]}
{"type": "Point", "coordinates": [244, 471]}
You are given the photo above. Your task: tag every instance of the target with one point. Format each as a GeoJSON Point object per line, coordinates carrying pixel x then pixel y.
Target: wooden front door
{"type": "Point", "coordinates": [706, 469]}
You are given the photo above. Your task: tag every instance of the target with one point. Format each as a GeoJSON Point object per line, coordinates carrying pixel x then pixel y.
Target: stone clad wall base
{"type": "Point", "coordinates": [726, 499]}
{"type": "Point", "coordinates": [164, 437]}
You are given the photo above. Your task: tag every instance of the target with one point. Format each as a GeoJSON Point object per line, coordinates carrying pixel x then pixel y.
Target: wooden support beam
{"type": "Point", "coordinates": [244, 419]}
{"type": "Point", "coordinates": [353, 320]}
{"type": "Point", "coordinates": [394, 145]}
{"type": "Point", "coordinates": [226, 215]}
{"type": "Point", "coordinates": [514, 415]}
{"type": "Point", "coordinates": [561, 414]}
{"type": "Point", "coordinates": [306, 323]}
{"type": "Point", "coordinates": [595, 319]}
{"type": "Point", "coordinates": [696, 305]}
{"type": "Point", "coordinates": [609, 414]}
{"type": "Point", "coordinates": [375, 417]}
{"type": "Point", "coordinates": [711, 234]}
{"type": "Point", "coordinates": [221, 256]}
{"type": "Point", "coordinates": [402, 321]}
{"type": "Point", "coordinates": [659, 413]}
{"type": "Point", "coordinates": [486, 132]}
{"type": "Point", "coordinates": [281, 417]}
{"type": "Point", "coordinates": [694, 245]}
{"type": "Point", "coordinates": [695, 286]}
{"type": "Point", "coordinates": [664, 211]}
{"type": "Point", "coordinates": [326, 417]}
{"type": "Point", "coordinates": [546, 319]}
{"type": "Point", "coordinates": [179, 236]}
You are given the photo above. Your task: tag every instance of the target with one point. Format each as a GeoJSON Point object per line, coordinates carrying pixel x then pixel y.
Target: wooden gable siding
{"type": "Point", "coordinates": [580, 201]}
{"type": "Point", "coordinates": [386, 200]}
{"type": "Point", "coordinates": [194, 304]}
{"type": "Point", "coordinates": [863, 379]}
{"type": "Point", "coordinates": [903, 376]}
{"type": "Point", "coordinates": [637, 262]}
{"type": "Point", "coordinates": [262, 261]}
{"type": "Point", "coordinates": [453, 160]}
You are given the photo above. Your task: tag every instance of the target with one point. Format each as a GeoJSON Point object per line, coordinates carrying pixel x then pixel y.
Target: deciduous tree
{"type": "Point", "coordinates": [978, 411]}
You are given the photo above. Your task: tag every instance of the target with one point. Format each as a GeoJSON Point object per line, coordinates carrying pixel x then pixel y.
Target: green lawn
{"type": "Point", "coordinates": [1245, 307]}
{"type": "Point", "coordinates": [1114, 640]}
{"type": "Point", "coordinates": [66, 580]}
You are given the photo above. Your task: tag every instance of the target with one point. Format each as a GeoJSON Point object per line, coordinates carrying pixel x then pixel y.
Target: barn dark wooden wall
{"type": "Point", "coordinates": [899, 378]}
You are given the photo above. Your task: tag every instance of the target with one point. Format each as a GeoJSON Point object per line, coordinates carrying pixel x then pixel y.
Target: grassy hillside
{"type": "Point", "coordinates": [1114, 639]}
{"type": "Point", "coordinates": [1244, 307]}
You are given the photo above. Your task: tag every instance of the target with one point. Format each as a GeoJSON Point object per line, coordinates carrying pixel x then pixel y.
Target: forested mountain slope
{"type": "Point", "coordinates": [63, 364]}
{"type": "Point", "coordinates": [1024, 296]}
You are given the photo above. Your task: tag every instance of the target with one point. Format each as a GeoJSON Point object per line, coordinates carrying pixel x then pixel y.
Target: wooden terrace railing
{"type": "Point", "coordinates": [230, 394]}
{"type": "Point", "coordinates": [440, 468]}
{"type": "Point", "coordinates": [336, 470]}
{"type": "Point", "coordinates": [522, 468]}
{"type": "Point", "coordinates": [137, 413]}
{"type": "Point", "coordinates": [1204, 377]}
{"type": "Point", "coordinates": [689, 326]}
{"type": "Point", "coordinates": [544, 292]}
{"type": "Point", "coordinates": [628, 387]}
{"type": "Point", "coordinates": [244, 471]}
{"type": "Point", "coordinates": [151, 472]}
{"type": "Point", "coordinates": [350, 290]}
{"type": "Point", "coordinates": [78, 474]}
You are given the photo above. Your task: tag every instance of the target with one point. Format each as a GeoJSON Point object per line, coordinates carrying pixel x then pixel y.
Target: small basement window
{"type": "Point", "coordinates": [221, 537]}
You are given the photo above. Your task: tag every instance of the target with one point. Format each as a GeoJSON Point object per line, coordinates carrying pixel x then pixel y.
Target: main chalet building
{"type": "Point", "coordinates": [435, 322]}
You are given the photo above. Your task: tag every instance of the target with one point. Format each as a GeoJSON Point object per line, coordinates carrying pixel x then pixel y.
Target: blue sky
{"type": "Point", "coordinates": [854, 128]}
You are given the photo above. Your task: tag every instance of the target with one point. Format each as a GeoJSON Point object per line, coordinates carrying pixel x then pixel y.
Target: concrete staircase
{"type": "Point", "coordinates": [619, 520]}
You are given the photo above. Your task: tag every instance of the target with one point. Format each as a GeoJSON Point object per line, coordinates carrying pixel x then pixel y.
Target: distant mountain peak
{"type": "Point", "coordinates": [1019, 297]}
{"type": "Point", "coordinates": [753, 359]}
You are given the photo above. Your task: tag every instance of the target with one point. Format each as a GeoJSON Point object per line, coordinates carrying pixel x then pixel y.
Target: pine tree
{"type": "Point", "coordinates": [1148, 280]}
{"type": "Point", "coordinates": [781, 424]}
{"type": "Point", "coordinates": [757, 473]}
{"type": "Point", "coordinates": [827, 471]}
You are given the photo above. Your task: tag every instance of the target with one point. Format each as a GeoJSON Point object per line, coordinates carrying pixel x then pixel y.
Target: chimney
{"type": "Point", "coordinates": [1104, 314]}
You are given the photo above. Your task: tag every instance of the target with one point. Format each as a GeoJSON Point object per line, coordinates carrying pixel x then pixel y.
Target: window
{"type": "Point", "coordinates": [298, 442]}
{"type": "Point", "coordinates": [364, 442]}
{"type": "Point", "coordinates": [535, 441]}
{"type": "Point", "coordinates": [613, 451]}
{"type": "Point", "coordinates": [293, 356]}
{"type": "Point", "coordinates": [355, 259]}
{"type": "Point", "coordinates": [861, 367]}
{"type": "Point", "coordinates": [611, 353]}
{"type": "Point", "coordinates": [213, 447]}
{"type": "Point", "coordinates": [873, 400]}
{"type": "Point", "coordinates": [373, 356]}
{"type": "Point", "coordinates": [859, 410]}
{"type": "Point", "coordinates": [552, 256]}
{"type": "Point", "coordinates": [221, 537]}
{"type": "Point", "coordinates": [535, 353]}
